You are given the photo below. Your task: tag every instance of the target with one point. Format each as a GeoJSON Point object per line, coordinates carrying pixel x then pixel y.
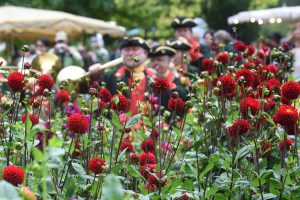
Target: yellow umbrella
{"type": "Point", "coordinates": [34, 23]}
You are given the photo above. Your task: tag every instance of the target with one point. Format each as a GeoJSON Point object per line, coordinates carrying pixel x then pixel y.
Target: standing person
{"type": "Point", "coordinates": [130, 71]}
{"type": "Point", "coordinates": [183, 28]}
{"type": "Point", "coordinates": [223, 37]}
{"type": "Point", "coordinates": [296, 51]}
{"type": "Point", "coordinates": [68, 54]}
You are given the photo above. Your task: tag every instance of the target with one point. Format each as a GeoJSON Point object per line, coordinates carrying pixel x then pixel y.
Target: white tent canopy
{"type": "Point", "coordinates": [30, 22]}
{"type": "Point", "coordinates": [272, 15]}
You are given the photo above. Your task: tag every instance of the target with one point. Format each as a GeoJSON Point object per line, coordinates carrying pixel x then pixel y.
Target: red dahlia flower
{"type": "Point", "coordinates": [176, 104]}
{"type": "Point", "coordinates": [33, 117]}
{"type": "Point", "coordinates": [286, 116]}
{"type": "Point", "coordinates": [223, 58]}
{"type": "Point", "coordinates": [105, 95]}
{"type": "Point", "coordinates": [97, 165]}
{"type": "Point", "coordinates": [147, 158]}
{"type": "Point", "coordinates": [248, 77]}
{"type": "Point", "coordinates": [13, 175]}
{"type": "Point", "coordinates": [290, 90]}
{"type": "Point", "coordinates": [45, 82]}
{"type": "Point", "coordinates": [239, 127]}
{"type": "Point", "coordinates": [15, 81]}
{"type": "Point", "coordinates": [160, 85]}
{"type": "Point", "coordinates": [77, 123]}
{"type": "Point", "coordinates": [148, 146]}
{"type": "Point", "coordinates": [251, 103]}
{"type": "Point", "coordinates": [62, 96]}
{"type": "Point", "coordinates": [288, 143]}
{"type": "Point", "coordinates": [119, 103]}
{"type": "Point", "coordinates": [127, 145]}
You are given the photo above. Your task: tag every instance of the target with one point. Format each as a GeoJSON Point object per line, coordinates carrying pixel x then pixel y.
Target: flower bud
{"type": "Point", "coordinates": [25, 48]}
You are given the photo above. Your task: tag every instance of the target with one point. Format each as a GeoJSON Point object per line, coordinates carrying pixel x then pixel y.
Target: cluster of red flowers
{"type": "Point", "coordinates": [119, 103]}
{"type": "Point", "coordinates": [33, 117]}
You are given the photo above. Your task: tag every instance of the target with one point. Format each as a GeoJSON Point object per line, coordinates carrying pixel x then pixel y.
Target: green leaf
{"type": "Point", "coordinates": [243, 151]}
{"type": "Point", "coordinates": [115, 120]}
{"type": "Point", "coordinates": [268, 196]}
{"type": "Point", "coordinates": [78, 168]}
{"type": "Point", "coordinates": [70, 187]}
{"type": "Point", "coordinates": [28, 124]}
{"type": "Point", "coordinates": [55, 142]}
{"type": "Point", "coordinates": [177, 131]}
{"type": "Point", "coordinates": [133, 172]}
{"type": "Point", "coordinates": [121, 156]}
{"type": "Point", "coordinates": [112, 189]}
{"type": "Point", "coordinates": [8, 191]}
{"type": "Point", "coordinates": [133, 120]}
{"type": "Point", "coordinates": [37, 154]}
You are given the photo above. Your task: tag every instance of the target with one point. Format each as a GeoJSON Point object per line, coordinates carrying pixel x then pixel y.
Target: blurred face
{"type": "Point", "coordinates": [183, 32]}
{"type": "Point", "coordinates": [296, 32]}
{"type": "Point", "coordinates": [161, 64]}
{"type": "Point", "coordinates": [40, 47]}
{"type": "Point", "coordinates": [208, 38]}
{"type": "Point", "coordinates": [133, 51]}
{"type": "Point", "coordinates": [179, 58]}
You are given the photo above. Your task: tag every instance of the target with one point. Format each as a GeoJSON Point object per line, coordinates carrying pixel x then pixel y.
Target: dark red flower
{"type": "Point", "coordinates": [251, 103]}
{"type": "Point", "coordinates": [269, 103]}
{"type": "Point", "coordinates": [249, 50]}
{"type": "Point", "coordinates": [33, 118]}
{"type": "Point", "coordinates": [239, 127]}
{"type": "Point", "coordinates": [266, 148]}
{"type": "Point", "coordinates": [102, 104]}
{"type": "Point", "coordinates": [237, 58]}
{"type": "Point", "coordinates": [154, 134]}
{"type": "Point", "coordinates": [249, 65]}
{"type": "Point", "coordinates": [45, 82]}
{"type": "Point", "coordinates": [97, 165]}
{"type": "Point", "coordinates": [127, 145]}
{"type": "Point", "coordinates": [158, 180]}
{"type": "Point", "coordinates": [228, 84]}
{"type": "Point", "coordinates": [223, 58]}
{"type": "Point", "coordinates": [147, 158]}
{"type": "Point", "coordinates": [261, 55]}
{"type": "Point", "coordinates": [176, 104]}
{"type": "Point", "coordinates": [105, 95]}
{"type": "Point", "coordinates": [134, 158]}
{"type": "Point", "coordinates": [13, 175]}
{"type": "Point", "coordinates": [119, 103]}
{"type": "Point", "coordinates": [160, 85]}
{"type": "Point", "coordinates": [285, 46]}
{"type": "Point", "coordinates": [291, 130]}
{"type": "Point", "coordinates": [270, 68]}
{"type": "Point", "coordinates": [208, 65]}
{"type": "Point", "coordinates": [240, 46]}
{"type": "Point", "coordinates": [288, 144]}
{"type": "Point", "coordinates": [248, 77]}
{"type": "Point", "coordinates": [77, 123]}
{"type": "Point", "coordinates": [275, 83]}
{"type": "Point", "coordinates": [147, 169]}
{"type": "Point", "coordinates": [290, 90]}
{"type": "Point", "coordinates": [286, 115]}
{"type": "Point", "coordinates": [148, 146]}
{"type": "Point", "coordinates": [15, 81]}
{"type": "Point", "coordinates": [62, 96]}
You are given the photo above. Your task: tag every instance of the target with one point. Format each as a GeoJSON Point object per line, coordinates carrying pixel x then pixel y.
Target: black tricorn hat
{"type": "Point", "coordinates": [134, 41]}
{"type": "Point", "coordinates": [182, 22]}
{"type": "Point", "coordinates": [162, 50]}
{"type": "Point", "coordinates": [180, 44]}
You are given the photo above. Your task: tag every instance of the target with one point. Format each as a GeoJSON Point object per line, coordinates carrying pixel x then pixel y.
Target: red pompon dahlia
{"type": "Point", "coordinates": [249, 65]}
{"type": "Point", "coordinates": [105, 95]}
{"type": "Point", "coordinates": [147, 169]}
{"type": "Point", "coordinates": [223, 58]}
{"type": "Point", "coordinates": [288, 143]}
{"type": "Point", "coordinates": [148, 146]}
{"type": "Point", "coordinates": [102, 105]}
{"type": "Point", "coordinates": [33, 118]}
{"type": "Point", "coordinates": [251, 103]}
{"type": "Point", "coordinates": [275, 83]}
{"type": "Point", "coordinates": [261, 55]}
{"type": "Point", "coordinates": [160, 85]}
{"type": "Point", "coordinates": [228, 84]}
{"type": "Point", "coordinates": [147, 158]}
{"type": "Point", "coordinates": [134, 158]}
{"type": "Point", "coordinates": [270, 68]}
{"type": "Point", "coordinates": [240, 46]}
{"type": "Point", "coordinates": [13, 175]}
{"type": "Point", "coordinates": [77, 123]}
{"type": "Point", "coordinates": [286, 116]}
{"type": "Point", "coordinates": [45, 82]}
{"type": "Point", "coordinates": [62, 96]}
{"type": "Point", "coordinates": [208, 65]}
{"type": "Point", "coordinates": [266, 148]}
{"type": "Point", "coordinates": [285, 100]}
{"type": "Point", "coordinates": [119, 103]}
{"type": "Point", "coordinates": [15, 81]}
{"type": "Point", "coordinates": [249, 50]}
{"type": "Point", "coordinates": [176, 104]}
{"type": "Point", "coordinates": [127, 145]}
{"type": "Point", "coordinates": [158, 180]}
{"type": "Point", "coordinates": [290, 90]}
{"type": "Point", "coordinates": [248, 77]}
{"type": "Point", "coordinates": [239, 127]}
{"type": "Point", "coordinates": [97, 165]}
